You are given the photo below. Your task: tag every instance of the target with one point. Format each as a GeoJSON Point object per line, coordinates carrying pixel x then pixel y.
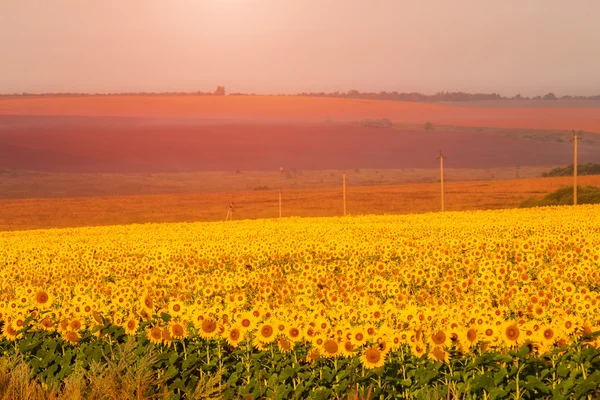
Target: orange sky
{"type": "Point", "coordinates": [286, 46]}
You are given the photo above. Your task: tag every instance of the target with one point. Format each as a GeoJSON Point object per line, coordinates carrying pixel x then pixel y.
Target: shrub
{"type": "Point", "coordinates": [564, 196]}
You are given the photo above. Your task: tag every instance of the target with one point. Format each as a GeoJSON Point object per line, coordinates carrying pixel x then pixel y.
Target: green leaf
{"type": "Point", "coordinates": [173, 358]}
{"type": "Point", "coordinates": [282, 392]}
{"type": "Point", "coordinates": [563, 370]}
{"type": "Point", "coordinates": [286, 373]}
{"type": "Point", "coordinates": [233, 379]}
{"type": "Point", "coordinates": [483, 382]}
{"type": "Point", "coordinates": [171, 372]}
{"type": "Point", "coordinates": [591, 383]}
{"type": "Point", "coordinates": [498, 393]}
{"type": "Point", "coordinates": [533, 383]}
{"type": "Point", "coordinates": [272, 380]}
{"type": "Point", "coordinates": [190, 361]}
{"type": "Point", "coordinates": [51, 345]}
{"type": "Point", "coordinates": [500, 376]}
{"type": "Point", "coordinates": [178, 384]}
{"type": "Point", "coordinates": [502, 358]}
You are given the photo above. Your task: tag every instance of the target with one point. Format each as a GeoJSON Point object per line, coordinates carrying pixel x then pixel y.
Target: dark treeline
{"type": "Point", "coordinates": [440, 96]}
{"type": "Point", "coordinates": [219, 91]}
{"type": "Point", "coordinates": [582, 169]}
{"type": "Point", "coordinates": [351, 94]}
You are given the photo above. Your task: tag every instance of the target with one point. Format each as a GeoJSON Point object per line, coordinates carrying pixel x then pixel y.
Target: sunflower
{"type": "Point", "coordinates": [9, 332]}
{"type": "Point", "coordinates": [569, 324]}
{"type": "Point", "coordinates": [318, 340]}
{"type": "Point", "coordinates": [439, 354]}
{"type": "Point", "coordinates": [313, 355]}
{"type": "Point", "coordinates": [234, 335]}
{"type": "Point", "coordinates": [208, 328]}
{"type": "Point", "coordinates": [72, 337]}
{"type": "Point", "coordinates": [46, 324]}
{"type": "Point", "coordinates": [372, 357]}
{"type": "Point", "coordinates": [155, 335]}
{"type": "Point", "coordinates": [178, 329]}
{"type": "Point", "coordinates": [330, 348]}
{"type": "Point", "coordinates": [546, 335]}
{"type": "Point", "coordinates": [490, 333]}
{"type": "Point", "coordinates": [358, 336]}
{"type": "Point", "coordinates": [395, 342]}
{"type": "Point", "coordinates": [384, 346]}
{"type": "Point", "coordinates": [43, 300]}
{"type": "Point", "coordinates": [266, 333]}
{"type": "Point", "coordinates": [18, 323]}
{"type": "Point", "coordinates": [63, 325]}
{"type": "Point", "coordinates": [75, 324]}
{"type": "Point", "coordinates": [167, 337]}
{"type": "Point", "coordinates": [469, 337]}
{"type": "Point", "coordinates": [348, 349]}
{"type": "Point", "coordinates": [294, 334]}
{"type": "Point", "coordinates": [418, 349]}
{"type": "Point", "coordinates": [176, 308]}
{"type": "Point", "coordinates": [284, 345]}
{"type": "Point", "coordinates": [440, 338]}
{"type": "Point", "coordinates": [97, 317]}
{"type": "Point", "coordinates": [131, 324]}
{"type": "Point", "coordinates": [280, 327]}
{"type": "Point", "coordinates": [247, 321]}
{"type": "Point", "coordinates": [511, 334]}
{"type": "Point", "coordinates": [147, 303]}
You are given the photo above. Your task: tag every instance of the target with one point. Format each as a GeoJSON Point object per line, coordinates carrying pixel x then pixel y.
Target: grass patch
{"type": "Point", "coordinates": [564, 197]}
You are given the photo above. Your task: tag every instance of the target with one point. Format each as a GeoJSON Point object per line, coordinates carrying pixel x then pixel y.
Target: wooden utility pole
{"type": "Point", "coordinates": [279, 203]}
{"type": "Point", "coordinates": [229, 215]}
{"type": "Point", "coordinates": [441, 158]}
{"type": "Point", "coordinates": [575, 139]}
{"type": "Point", "coordinates": [344, 190]}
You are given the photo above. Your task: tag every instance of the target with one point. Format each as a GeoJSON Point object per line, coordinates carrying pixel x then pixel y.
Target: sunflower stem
{"type": "Point", "coordinates": [335, 367]}
{"type": "Point", "coordinates": [207, 353]}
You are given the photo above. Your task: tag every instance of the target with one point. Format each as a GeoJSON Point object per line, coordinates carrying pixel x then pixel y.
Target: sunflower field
{"type": "Point", "coordinates": [485, 304]}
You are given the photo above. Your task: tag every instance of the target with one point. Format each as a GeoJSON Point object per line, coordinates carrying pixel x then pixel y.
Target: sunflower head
{"type": "Point", "coordinates": [234, 335]}
{"type": "Point", "coordinates": [330, 348]}
{"type": "Point", "coordinates": [43, 300]}
{"type": "Point", "coordinates": [178, 329]}
{"type": "Point", "coordinates": [372, 357]}
{"type": "Point", "coordinates": [131, 324]}
{"type": "Point", "coordinates": [155, 335]}
{"type": "Point", "coordinates": [72, 337]}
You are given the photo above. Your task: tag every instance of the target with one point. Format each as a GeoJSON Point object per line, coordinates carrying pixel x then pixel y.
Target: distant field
{"type": "Point", "coordinates": [19, 184]}
{"type": "Point", "coordinates": [155, 145]}
{"type": "Point", "coordinates": [524, 104]}
{"type": "Point", "coordinates": [290, 108]}
{"type": "Point", "coordinates": [395, 199]}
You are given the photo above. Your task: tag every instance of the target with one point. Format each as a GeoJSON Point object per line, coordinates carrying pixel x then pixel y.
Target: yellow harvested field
{"type": "Point", "coordinates": [23, 214]}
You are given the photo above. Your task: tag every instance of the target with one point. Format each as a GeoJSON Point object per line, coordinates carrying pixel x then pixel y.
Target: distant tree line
{"type": "Point", "coordinates": [219, 91]}
{"type": "Point", "coordinates": [351, 94]}
{"type": "Point", "coordinates": [438, 97]}
{"type": "Point", "coordinates": [582, 169]}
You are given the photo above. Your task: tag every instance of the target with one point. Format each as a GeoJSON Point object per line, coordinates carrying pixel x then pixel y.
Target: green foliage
{"type": "Point", "coordinates": [564, 196]}
{"type": "Point", "coordinates": [210, 369]}
{"type": "Point", "coordinates": [582, 169]}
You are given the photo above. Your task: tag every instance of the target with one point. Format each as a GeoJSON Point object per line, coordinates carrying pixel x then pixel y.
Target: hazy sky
{"type": "Point", "coordinates": [287, 46]}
